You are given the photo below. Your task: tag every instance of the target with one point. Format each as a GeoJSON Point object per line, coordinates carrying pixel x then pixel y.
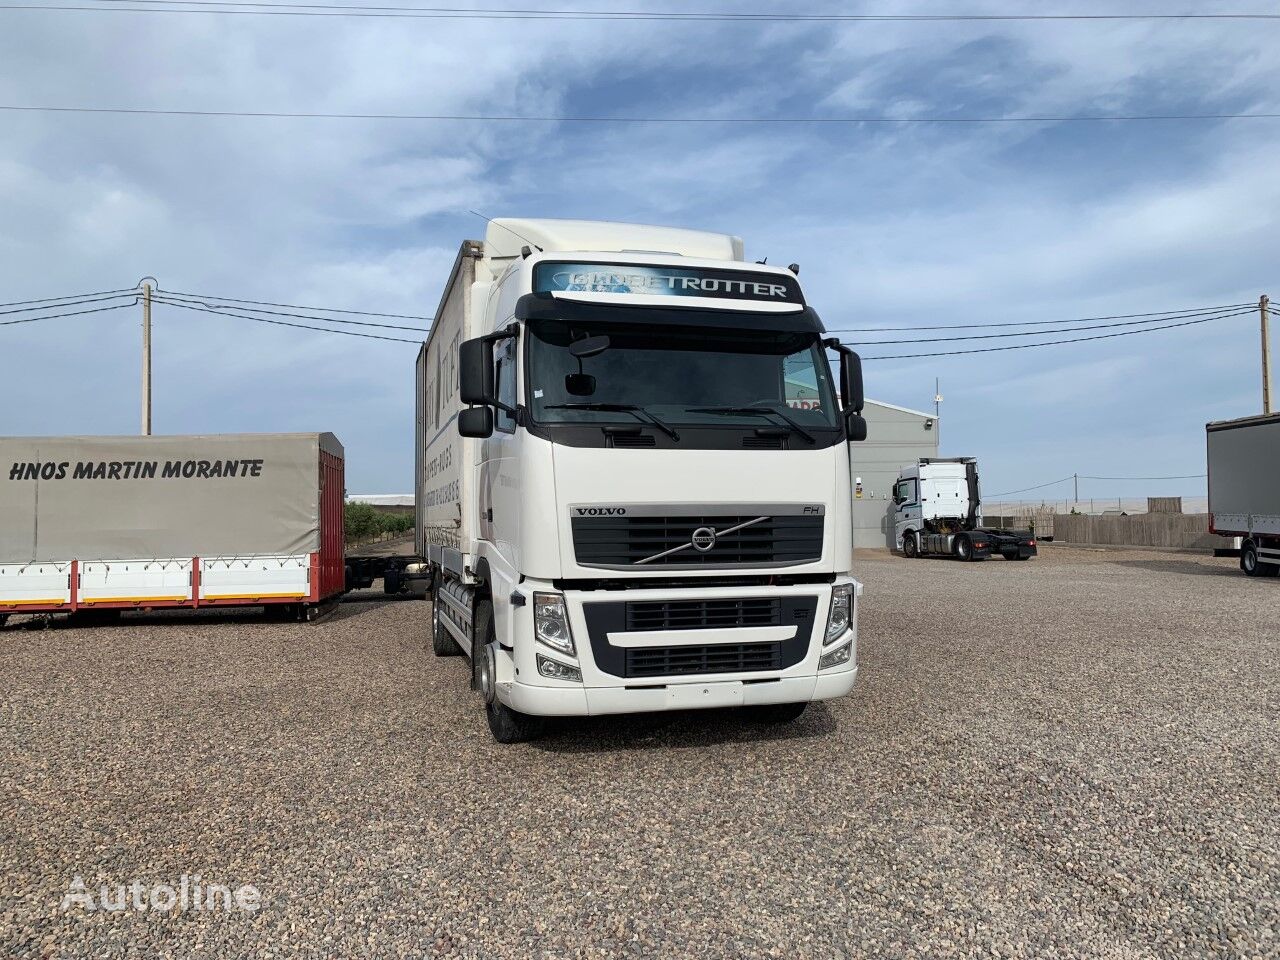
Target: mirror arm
{"type": "Point", "coordinates": [847, 356]}
{"type": "Point", "coordinates": [510, 330]}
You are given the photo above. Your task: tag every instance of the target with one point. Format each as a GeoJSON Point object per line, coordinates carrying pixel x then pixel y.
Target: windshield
{"type": "Point", "coordinates": [682, 375]}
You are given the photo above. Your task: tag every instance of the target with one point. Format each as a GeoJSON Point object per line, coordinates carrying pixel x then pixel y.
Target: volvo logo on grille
{"type": "Point", "coordinates": [703, 539]}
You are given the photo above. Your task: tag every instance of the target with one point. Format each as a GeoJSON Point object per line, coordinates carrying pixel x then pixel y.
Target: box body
{"type": "Point", "coordinates": [170, 520]}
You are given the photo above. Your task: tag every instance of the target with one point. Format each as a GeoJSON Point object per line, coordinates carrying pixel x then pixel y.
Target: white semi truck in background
{"type": "Point", "coordinates": [620, 506]}
{"type": "Point", "coordinates": [1244, 488]}
{"type": "Point", "coordinates": [938, 510]}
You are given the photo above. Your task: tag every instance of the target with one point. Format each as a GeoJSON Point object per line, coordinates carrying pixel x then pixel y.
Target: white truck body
{"type": "Point", "coordinates": [938, 510]}
{"type": "Point", "coordinates": [749, 523]}
{"type": "Point", "coordinates": [1244, 488]}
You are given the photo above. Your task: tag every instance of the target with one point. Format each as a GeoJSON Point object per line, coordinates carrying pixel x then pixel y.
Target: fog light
{"type": "Point", "coordinates": [558, 671]}
{"type": "Point", "coordinates": [839, 655]}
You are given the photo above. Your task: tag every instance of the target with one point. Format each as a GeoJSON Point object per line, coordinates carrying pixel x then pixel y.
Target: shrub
{"type": "Point", "coordinates": [364, 521]}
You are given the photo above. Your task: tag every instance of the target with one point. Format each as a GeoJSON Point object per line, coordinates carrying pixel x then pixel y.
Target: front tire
{"type": "Point", "coordinates": [506, 725]}
{"type": "Point", "coordinates": [775, 713]}
{"type": "Point", "coordinates": [910, 545]}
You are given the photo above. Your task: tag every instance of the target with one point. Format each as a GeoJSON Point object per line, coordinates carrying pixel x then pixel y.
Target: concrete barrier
{"type": "Point", "coordinates": [1168, 530]}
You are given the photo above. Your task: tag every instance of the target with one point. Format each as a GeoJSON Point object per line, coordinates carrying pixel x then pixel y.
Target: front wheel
{"type": "Point", "coordinates": [910, 546]}
{"type": "Point", "coordinates": [775, 712]}
{"type": "Point", "coordinates": [506, 725]}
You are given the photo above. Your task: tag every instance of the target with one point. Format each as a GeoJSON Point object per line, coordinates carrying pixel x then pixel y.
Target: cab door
{"type": "Point", "coordinates": [499, 473]}
{"type": "Point", "coordinates": [907, 514]}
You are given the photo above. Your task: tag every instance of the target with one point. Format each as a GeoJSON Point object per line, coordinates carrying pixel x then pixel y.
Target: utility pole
{"type": "Point", "coordinates": [937, 410]}
{"type": "Point", "coordinates": [1076, 478]}
{"type": "Point", "coordinates": [1264, 308]}
{"type": "Point", "coordinates": [146, 358]}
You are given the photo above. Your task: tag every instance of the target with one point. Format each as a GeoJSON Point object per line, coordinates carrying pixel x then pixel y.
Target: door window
{"type": "Point", "coordinates": [905, 491]}
{"type": "Point", "coordinates": [505, 382]}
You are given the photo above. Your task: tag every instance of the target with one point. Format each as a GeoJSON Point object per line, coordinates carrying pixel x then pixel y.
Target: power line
{"type": "Point", "coordinates": [1052, 343]}
{"type": "Point", "coordinates": [72, 303]}
{"type": "Point", "coordinates": [57, 316]}
{"type": "Point", "coordinates": [295, 306]}
{"type": "Point", "coordinates": [1035, 333]}
{"type": "Point", "coordinates": [1167, 314]}
{"type": "Point", "coordinates": [460, 13]}
{"type": "Point", "coordinates": [279, 323]}
{"type": "Point", "coordinates": [195, 301]}
{"type": "Point", "coordinates": [1189, 476]}
{"type": "Point", "coordinates": [1054, 483]}
{"type": "Point", "coordinates": [70, 296]}
{"type": "Point", "coordinates": [501, 118]}
{"type": "Point", "coordinates": [1051, 483]}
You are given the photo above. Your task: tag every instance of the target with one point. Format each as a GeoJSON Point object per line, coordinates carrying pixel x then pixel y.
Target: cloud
{"type": "Point", "coordinates": [892, 225]}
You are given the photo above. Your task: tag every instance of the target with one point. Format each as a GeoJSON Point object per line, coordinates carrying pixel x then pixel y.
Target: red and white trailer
{"type": "Point", "coordinates": [125, 523]}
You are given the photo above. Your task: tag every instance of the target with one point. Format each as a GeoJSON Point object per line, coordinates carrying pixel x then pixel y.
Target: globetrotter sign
{"type": "Point", "coordinates": [633, 279]}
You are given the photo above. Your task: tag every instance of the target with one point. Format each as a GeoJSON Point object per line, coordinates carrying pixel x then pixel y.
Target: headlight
{"type": "Point", "coordinates": [837, 656]}
{"type": "Point", "coordinates": [551, 623]}
{"type": "Point", "coordinates": [841, 614]}
{"type": "Point", "coordinates": [557, 670]}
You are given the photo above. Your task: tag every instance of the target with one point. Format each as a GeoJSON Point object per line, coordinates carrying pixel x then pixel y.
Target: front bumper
{"type": "Point", "coordinates": [600, 692]}
{"type": "Point", "coordinates": [683, 694]}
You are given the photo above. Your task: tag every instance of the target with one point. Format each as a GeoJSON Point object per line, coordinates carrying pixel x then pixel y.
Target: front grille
{"type": "Point", "coordinates": [764, 443]}
{"type": "Point", "coordinates": [718, 658]}
{"type": "Point", "coordinates": [623, 541]}
{"type": "Point", "coordinates": [703, 614]}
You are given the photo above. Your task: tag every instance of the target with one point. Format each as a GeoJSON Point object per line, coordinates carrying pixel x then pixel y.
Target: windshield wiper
{"type": "Point", "coordinates": [758, 411]}
{"type": "Point", "coordinates": [640, 413]}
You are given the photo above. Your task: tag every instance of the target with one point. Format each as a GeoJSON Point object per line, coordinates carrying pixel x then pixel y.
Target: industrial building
{"type": "Point", "coordinates": [895, 436]}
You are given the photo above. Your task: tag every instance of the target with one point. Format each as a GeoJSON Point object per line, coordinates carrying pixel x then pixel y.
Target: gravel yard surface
{"type": "Point", "coordinates": [1073, 757]}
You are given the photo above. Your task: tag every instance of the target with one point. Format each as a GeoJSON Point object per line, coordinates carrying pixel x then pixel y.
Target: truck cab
{"type": "Point", "coordinates": [937, 505]}
{"type": "Point", "coordinates": [647, 516]}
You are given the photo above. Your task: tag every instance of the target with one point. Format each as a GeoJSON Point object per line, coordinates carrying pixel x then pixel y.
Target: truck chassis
{"type": "Point", "coordinates": [971, 545]}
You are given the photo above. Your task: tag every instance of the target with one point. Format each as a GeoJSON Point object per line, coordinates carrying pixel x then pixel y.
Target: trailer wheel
{"type": "Point", "coordinates": [1253, 565]}
{"type": "Point", "coordinates": [506, 725]}
{"type": "Point", "coordinates": [442, 642]}
{"type": "Point", "coordinates": [963, 548]}
{"type": "Point", "coordinates": [910, 545]}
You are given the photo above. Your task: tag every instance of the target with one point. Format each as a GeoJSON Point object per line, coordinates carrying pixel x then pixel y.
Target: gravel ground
{"type": "Point", "coordinates": [1075, 756]}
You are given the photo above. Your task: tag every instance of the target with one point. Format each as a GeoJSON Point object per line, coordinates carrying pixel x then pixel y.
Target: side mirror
{"type": "Point", "coordinates": [855, 426]}
{"type": "Point", "coordinates": [476, 422]}
{"type": "Point", "coordinates": [475, 374]}
{"type": "Point", "coordinates": [579, 384]}
{"type": "Point", "coordinates": [851, 385]}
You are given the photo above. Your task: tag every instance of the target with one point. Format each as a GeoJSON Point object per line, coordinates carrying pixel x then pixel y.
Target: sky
{"type": "Point", "coordinates": [893, 225]}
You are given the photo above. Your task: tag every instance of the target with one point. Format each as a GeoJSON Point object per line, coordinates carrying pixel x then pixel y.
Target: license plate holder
{"type": "Point", "coordinates": [691, 696]}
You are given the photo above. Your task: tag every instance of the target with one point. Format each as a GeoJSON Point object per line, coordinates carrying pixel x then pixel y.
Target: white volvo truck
{"type": "Point", "coordinates": [624, 504]}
